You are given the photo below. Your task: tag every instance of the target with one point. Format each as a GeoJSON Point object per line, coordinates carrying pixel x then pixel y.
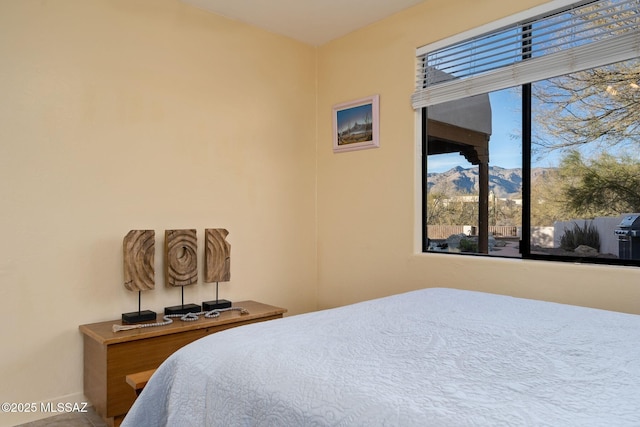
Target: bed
{"type": "Point", "coordinates": [433, 357]}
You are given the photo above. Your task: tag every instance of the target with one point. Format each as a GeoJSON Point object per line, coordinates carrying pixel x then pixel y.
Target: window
{"type": "Point", "coordinates": [531, 136]}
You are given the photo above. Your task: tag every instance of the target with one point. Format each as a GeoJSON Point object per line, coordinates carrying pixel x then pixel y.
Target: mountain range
{"type": "Point", "coordinates": [505, 183]}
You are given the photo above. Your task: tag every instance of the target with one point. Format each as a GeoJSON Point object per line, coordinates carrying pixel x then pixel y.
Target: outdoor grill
{"type": "Point", "coordinates": [628, 233]}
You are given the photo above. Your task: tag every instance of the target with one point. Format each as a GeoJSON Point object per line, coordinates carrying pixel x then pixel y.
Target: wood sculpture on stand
{"type": "Point", "coordinates": [139, 271]}
{"type": "Point", "coordinates": [217, 264]}
{"type": "Point", "coordinates": [181, 265]}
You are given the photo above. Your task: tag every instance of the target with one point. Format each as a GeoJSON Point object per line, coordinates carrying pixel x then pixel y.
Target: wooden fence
{"type": "Point", "coordinates": [444, 231]}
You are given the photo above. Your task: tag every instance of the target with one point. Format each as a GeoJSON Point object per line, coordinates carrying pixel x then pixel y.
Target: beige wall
{"type": "Point", "coordinates": [150, 114]}
{"type": "Point", "coordinates": [366, 199]}
{"type": "Point", "coordinates": [142, 114]}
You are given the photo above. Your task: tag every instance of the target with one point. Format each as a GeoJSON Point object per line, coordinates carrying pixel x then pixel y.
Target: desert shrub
{"type": "Point", "coordinates": [467, 245]}
{"type": "Point", "coordinates": [587, 235]}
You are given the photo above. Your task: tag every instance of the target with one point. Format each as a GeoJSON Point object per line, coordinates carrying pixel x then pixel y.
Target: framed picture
{"type": "Point", "coordinates": [356, 124]}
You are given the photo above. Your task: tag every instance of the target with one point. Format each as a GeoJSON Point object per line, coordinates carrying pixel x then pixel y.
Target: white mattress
{"type": "Point", "coordinates": [435, 357]}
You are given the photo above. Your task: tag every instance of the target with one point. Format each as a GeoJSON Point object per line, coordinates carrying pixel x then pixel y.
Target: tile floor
{"type": "Point", "coordinates": [85, 419]}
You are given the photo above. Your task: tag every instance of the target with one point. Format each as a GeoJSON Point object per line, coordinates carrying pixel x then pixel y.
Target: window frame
{"type": "Point", "coordinates": [422, 136]}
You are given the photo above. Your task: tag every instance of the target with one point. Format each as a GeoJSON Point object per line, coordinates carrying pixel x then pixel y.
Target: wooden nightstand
{"type": "Point", "coordinates": [110, 356]}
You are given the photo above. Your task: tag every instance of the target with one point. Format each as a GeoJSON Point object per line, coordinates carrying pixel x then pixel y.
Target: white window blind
{"type": "Point", "coordinates": [582, 36]}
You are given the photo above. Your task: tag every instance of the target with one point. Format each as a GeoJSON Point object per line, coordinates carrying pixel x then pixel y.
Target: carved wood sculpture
{"type": "Point", "coordinates": [181, 261]}
{"type": "Point", "coordinates": [217, 256]}
{"type": "Point", "coordinates": [139, 253]}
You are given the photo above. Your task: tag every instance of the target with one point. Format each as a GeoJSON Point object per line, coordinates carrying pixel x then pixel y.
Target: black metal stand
{"type": "Point", "coordinates": [217, 304]}
{"type": "Point", "coordinates": [182, 308]}
{"type": "Point", "coordinates": [140, 315]}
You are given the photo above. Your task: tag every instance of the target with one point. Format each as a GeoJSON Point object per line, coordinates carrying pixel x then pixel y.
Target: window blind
{"type": "Point", "coordinates": [578, 37]}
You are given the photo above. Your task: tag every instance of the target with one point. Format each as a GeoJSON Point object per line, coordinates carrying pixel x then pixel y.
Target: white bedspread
{"type": "Point", "coordinates": [435, 357]}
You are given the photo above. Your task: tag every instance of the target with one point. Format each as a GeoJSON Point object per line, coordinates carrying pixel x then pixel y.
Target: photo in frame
{"type": "Point", "coordinates": [356, 124]}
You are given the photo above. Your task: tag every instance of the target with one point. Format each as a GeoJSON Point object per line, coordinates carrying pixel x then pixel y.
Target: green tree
{"type": "Point", "coordinates": [451, 208]}
{"type": "Point", "coordinates": [504, 212]}
{"type": "Point", "coordinates": [597, 105]}
{"type": "Point", "coordinates": [547, 202]}
{"type": "Point", "coordinates": [594, 111]}
{"type": "Point", "coordinates": [602, 186]}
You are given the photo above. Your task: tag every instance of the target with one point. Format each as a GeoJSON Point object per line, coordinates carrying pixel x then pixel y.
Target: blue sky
{"type": "Point", "coordinates": [505, 146]}
{"type": "Point", "coordinates": [353, 115]}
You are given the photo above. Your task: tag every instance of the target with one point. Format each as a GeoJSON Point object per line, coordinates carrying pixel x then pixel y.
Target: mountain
{"type": "Point", "coordinates": [505, 183]}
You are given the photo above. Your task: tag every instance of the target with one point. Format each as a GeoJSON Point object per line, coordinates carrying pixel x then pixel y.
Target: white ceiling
{"type": "Point", "coordinates": [311, 21]}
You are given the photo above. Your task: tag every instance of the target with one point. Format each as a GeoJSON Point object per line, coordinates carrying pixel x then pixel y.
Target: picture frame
{"type": "Point", "coordinates": [356, 124]}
